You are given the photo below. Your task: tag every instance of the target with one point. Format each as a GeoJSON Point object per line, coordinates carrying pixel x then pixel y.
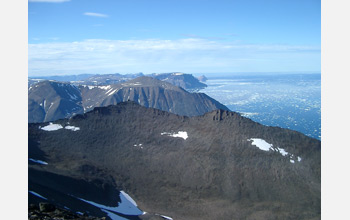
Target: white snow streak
{"type": "Point", "coordinates": [127, 205]}
{"type": "Point", "coordinates": [38, 161]}
{"type": "Point", "coordinates": [181, 134]}
{"type": "Point", "coordinates": [165, 217]}
{"type": "Point", "coordinates": [38, 195]}
{"type": "Point", "coordinates": [128, 197]}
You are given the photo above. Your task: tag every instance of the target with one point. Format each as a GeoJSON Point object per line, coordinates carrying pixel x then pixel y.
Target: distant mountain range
{"type": "Point", "coordinates": [158, 165]}
{"type": "Point", "coordinates": [186, 81]}
{"type": "Point", "coordinates": [52, 100]}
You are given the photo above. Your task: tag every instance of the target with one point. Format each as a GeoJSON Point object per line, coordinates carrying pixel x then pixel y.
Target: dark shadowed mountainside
{"type": "Point", "coordinates": [50, 100]}
{"type": "Point", "coordinates": [216, 166]}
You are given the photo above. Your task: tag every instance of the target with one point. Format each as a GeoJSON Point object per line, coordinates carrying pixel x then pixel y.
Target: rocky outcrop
{"type": "Point", "coordinates": [183, 80]}
{"type": "Point", "coordinates": [48, 211]}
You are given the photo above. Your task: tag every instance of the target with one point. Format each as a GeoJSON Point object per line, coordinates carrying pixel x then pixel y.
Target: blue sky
{"type": "Point", "coordinates": [192, 36]}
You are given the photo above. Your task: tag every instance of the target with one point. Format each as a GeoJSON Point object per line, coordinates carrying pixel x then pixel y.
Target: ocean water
{"type": "Point", "coordinates": [290, 101]}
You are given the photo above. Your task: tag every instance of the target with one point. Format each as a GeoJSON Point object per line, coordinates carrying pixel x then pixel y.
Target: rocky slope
{"type": "Point", "coordinates": [183, 80]}
{"type": "Point", "coordinates": [51, 100]}
{"type": "Point", "coordinates": [215, 166]}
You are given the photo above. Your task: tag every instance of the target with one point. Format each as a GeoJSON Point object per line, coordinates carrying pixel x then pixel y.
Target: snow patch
{"type": "Point", "coordinates": [51, 127]}
{"type": "Point", "coordinates": [73, 128]}
{"type": "Point", "coordinates": [127, 206]}
{"type": "Point", "coordinates": [181, 134]}
{"type": "Point", "coordinates": [248, 114]}
{"type": "Point", "coordinates": [112, 92]}
{"type": "Point", "coordinates": [282, 151]}
{"type": "Point", "coordinates": [38, 161]}
{"type": "Point", "coordinates": [128, 197]}
{"type": "Point", "coordinates": [261, 144]}
{"type": "Point", "coordinates": [38, 195]}
{"type": "Point", "coordinates": [105, 87]}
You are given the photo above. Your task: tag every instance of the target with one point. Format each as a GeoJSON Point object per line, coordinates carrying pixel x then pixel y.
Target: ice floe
{"type": "Point", "coordinates": [38, 161]}
{"type": "Point", "coordinates": [38, 195]}
{"type": "Point", "coordinates": [180, 134]}
{"type": "Point", "coordinates": [51, 127]}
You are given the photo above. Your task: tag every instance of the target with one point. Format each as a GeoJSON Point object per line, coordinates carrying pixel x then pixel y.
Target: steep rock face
{"type": "Point", "coordinates": [150, 92]}
{"type": "Point", "coordinates": [49, 100]}
{"type": "Point", "coordinates": [183, 80]}
{"type": "Point", "coordinates": [204, 167]}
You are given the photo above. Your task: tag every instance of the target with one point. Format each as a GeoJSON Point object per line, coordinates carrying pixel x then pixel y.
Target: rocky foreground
{"type": "Point", "coordinates": [216, 166]}
{"type": "Point", "coordinates": [49, 211]}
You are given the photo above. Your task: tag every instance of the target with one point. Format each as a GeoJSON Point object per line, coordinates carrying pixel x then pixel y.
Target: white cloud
{"type": "Point", "coordinates": [153, 55]}
{"type": "Point", "coordinates": [95, 14]}
{"type": "Point", "coordinates": [50, 1]}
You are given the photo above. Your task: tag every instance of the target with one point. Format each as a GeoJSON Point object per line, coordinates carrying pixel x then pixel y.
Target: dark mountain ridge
{"type": "Point", "coordinates": [50, 100]}
{"type": "Point", "coordinates": [203, 167]}
{"type": "Point", "coordinates": [183, 80]}
{"type": "Point", "coordinates": [68, 99]}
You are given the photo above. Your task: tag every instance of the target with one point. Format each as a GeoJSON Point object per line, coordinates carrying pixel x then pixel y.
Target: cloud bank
{"type": "Point", "coordinates": [93, 14]}
{"type": "Point", "coordinates": [190, 55]}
